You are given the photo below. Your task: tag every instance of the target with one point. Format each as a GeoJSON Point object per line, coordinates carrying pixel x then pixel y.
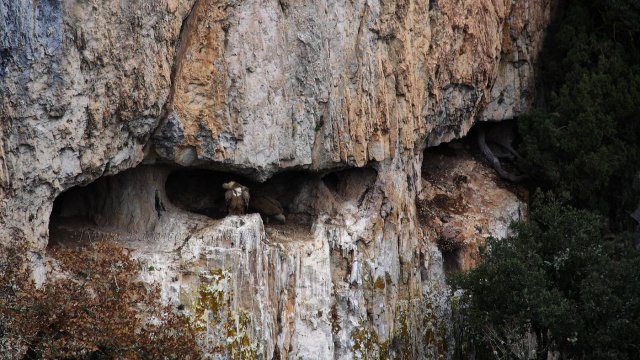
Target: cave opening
{"type": "Point", "coordinates": [299, 193]}
{"type": "Point", "coordinates": [145, 201]}
{"type": "Point", "coordinates": [76, 215]}
{"type": "Point", "coordinates": [468, 188]}
{"type": "Point", "coordinates": [493, 143]}
{"type": "Point", "coordinates": [109, 208]}
{"type": "Point", "coordinates": [452, 253]}
{"type": "Point", "coordinates": [201, 191]}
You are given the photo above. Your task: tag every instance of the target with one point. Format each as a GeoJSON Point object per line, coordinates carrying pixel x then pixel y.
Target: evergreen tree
{"type": "Point", "coordinates": [584, 140]}
{"type": "Point", "coordinates": [560, 277]}
{"type": "Point", "coordinates": [569, 277]}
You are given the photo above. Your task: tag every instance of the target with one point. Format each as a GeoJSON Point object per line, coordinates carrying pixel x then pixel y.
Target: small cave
{"type": "Point", "coordinates": [463, 191]}
{"type": "Point", "coordinates": [200, 191]}
{"type": "Point", "coordinates": [495, 143]}
{"type": "Point", "coordinates": [126, 203]}
{"type": "Point", "coordinates": [301, 194]}
{"type": "Point", "coordinates": [76, 214]}
{"type": "Point", "coordinates": [452, 261]}
{"type": "Point", "coordinates": [452, 250]}
{"type": "Point", "coordinates": [132, 203]}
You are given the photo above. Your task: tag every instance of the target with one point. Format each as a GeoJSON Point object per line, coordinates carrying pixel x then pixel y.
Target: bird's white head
{"type": "Point", "coordinates": [229, 185]}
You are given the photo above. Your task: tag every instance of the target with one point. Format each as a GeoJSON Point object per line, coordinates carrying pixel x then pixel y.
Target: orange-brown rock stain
{"type": "Point", "coordinates": [200, 84]}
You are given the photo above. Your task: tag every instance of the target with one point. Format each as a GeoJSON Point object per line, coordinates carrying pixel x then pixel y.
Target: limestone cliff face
{"type": "Point", "coordinates": [82, 88]}
{"type": "Point", "coordinates": [92, 88]}
{"type": "Point", "coordinates": [266, 86]}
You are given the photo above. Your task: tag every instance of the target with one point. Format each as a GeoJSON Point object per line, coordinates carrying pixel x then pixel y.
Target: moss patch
{"type": "Point", "coordinates": [223, 329]}
{"type": "Point", "coordinates": [424, 336]}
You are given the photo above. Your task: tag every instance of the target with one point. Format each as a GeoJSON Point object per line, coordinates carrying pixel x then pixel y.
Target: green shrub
{"type": "Point", "coordinates": [561, 278]}
{"type": "Point", "coordinates": [583, 141]}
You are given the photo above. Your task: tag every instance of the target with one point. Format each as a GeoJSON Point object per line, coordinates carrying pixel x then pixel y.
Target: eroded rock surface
{"type": "Point", "coordinates": [82, 87]}
{"type": "Point", "coordinates": [312, 288]}
{"type": "Point", "coordinates": [92, 88]}
{"type": "Point", "coordinates": [265, 86]}
{"type": "Point", "coordinates": [463, 202]}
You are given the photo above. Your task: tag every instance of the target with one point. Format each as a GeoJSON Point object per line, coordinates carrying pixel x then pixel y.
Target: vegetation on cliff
{"type": "Point", "coordinates": [561, 278]}
{"type": "Point", "coordinates": [583, 139]}
{"type": "Point", "coordinates": [568, 280]}
{"type": "Point", "coordinates": [100, 310]}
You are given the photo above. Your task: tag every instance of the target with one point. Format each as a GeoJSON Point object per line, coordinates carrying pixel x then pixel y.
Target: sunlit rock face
{"type": "Point", "coordinates": [82, 86]}
{"type": "Point", "coordinates": [89, 89]}
{"type": "Point", "coordinates": [265, 86]}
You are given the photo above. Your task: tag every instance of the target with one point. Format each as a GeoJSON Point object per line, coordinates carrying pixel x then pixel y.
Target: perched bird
{"type": "Point", "coordinates": [237, 198]}
{"type": "Point", "coordinates": [268, 207]}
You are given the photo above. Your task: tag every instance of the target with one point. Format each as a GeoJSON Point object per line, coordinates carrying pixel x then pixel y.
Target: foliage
{"type": "Point", "coordinates": [561, 278]}
{"type": "Point", "coordinates": [584, 139]}
{"type": "Point", "coordinates": [568, 281]}
{"type": "Point", "coordinates": [98, 311]}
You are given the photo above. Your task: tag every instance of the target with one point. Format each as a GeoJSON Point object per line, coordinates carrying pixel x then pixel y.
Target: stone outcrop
{"type": "Point", "coordinates": [463, 202]}
{"type": "Point", "coordinates": [313, 288]}
{"type": "Point", "coordinates": [91, 88]}
{"type": "Point", "coordinates": [83, 85]}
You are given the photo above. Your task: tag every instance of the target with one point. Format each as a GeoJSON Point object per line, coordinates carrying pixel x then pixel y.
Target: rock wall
{"type": "Point", "coordinates": [266, 86]}
{"type": "Point", "coordinates": [316, 287]}
{"type": "Point", "coordinates": [83, 85]}
{"type": "Point", "coordinates": [91, 88]}
{"type": "Point", "coordinates": [463, 202]}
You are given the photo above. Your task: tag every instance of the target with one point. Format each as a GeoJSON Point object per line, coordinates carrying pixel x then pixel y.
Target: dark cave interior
{"type": "Point", "coordinates": [76, 212]}
{"type": "Point", "coordinates": [132, 201]}
{"type": "Point", "coordinates": [200, 190]}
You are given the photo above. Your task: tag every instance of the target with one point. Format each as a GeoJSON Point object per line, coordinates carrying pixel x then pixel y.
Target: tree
{"type": "Point", "coordinates": [584, 139]}
{"type": "Point", "coordinates": [568, 280]}
{"type": "Point", "coordinates": [560, 277]}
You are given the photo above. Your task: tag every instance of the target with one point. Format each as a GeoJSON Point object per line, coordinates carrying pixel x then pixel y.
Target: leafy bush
{"type": "Point", "coordinates": [561, 278]}
{"type": "Point", "coordinates": [584, 139]}
{"type": "Point", "coordinates": [98, 311]}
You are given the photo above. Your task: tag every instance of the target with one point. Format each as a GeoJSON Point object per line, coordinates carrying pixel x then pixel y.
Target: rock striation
{"type": "Point", "coordinates": [82, 88]}
{"type": "Point", "coordinates": [89, 89]}
{"type": "Point", "coordinates": [263, 87]}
